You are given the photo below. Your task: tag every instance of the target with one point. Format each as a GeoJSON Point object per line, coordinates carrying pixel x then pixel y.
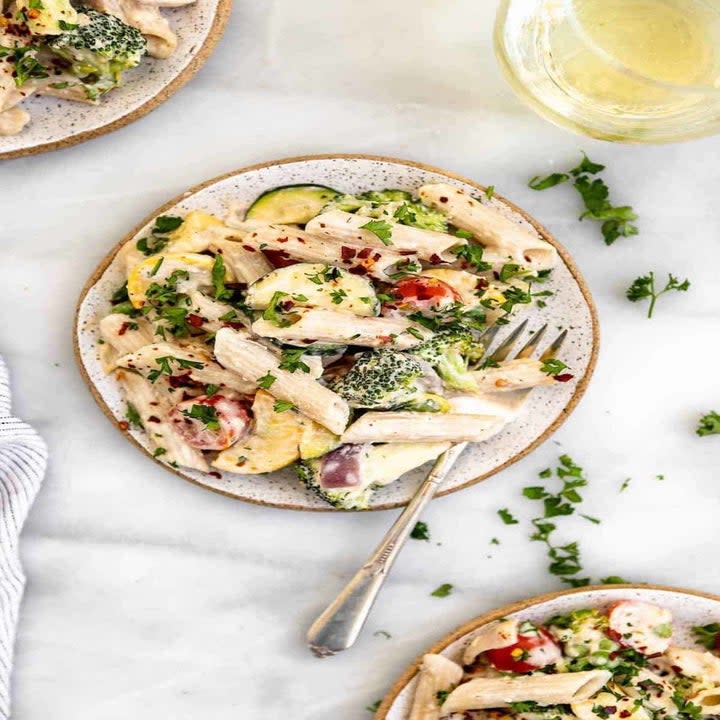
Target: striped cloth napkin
{"type": "Point", "coordinates": [23, 457]}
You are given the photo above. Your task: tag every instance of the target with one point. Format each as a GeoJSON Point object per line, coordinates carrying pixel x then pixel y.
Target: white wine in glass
{"type": "Point", "coordinates": [626, 70]}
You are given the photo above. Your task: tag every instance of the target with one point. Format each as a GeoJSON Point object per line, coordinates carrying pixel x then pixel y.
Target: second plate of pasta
{"type": "Point", "coordinates": [311, 333]}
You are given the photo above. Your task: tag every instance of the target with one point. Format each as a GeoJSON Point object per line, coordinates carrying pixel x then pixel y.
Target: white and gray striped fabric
{"type": "Point", "coordinates": [23, 458]}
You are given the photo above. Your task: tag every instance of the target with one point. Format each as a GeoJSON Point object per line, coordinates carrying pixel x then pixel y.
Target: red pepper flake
{"type": "Point", "coordinates": [364, 253]}
{"type": "Point", "coordinates": [154, 419]}
{"type": "Point", "coordinates": [124, 425]}
{"type": "Point", "coordinates": [482, 284]}
{"type": "Point", "coordinates": [322, 225]}
{"type": "Point", "coordinates": [406, 252]}
{"type": "Point", "coordinates": [358, 270]}
{"type": "Point", "coordinates": [625, 713]}
{"type": "Point", "coordinates": [283, 239]}
{"type": "Point", "coordinates": [233, 325]}
{"type": "Point", "coordinates": [249, 248]}
{"type": "Point", "coordinates": [565, 377]}
{"type": "Point", "coordinates": [385, 339]}
{"type": "Point", "coordinates": [443, 199]}
{"type": "Point", "coordinates": [347, 253]}
{"type": "Point", "coordinates": [216, 474]}
{"type": "Point", "coordinates": [376, 257]}
{"type": "Point", "coordinates": [279, 258]}
{"type": "Point", "coordinates": [195, 320]}
{"type": "Point", "coordinates": [123, 328]}
{"type": "Point", "coordinates": [527, 258]}
{"type": "Point", "coordinates": [435, 259]}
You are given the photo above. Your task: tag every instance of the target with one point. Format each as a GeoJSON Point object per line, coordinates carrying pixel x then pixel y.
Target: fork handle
{"type": "Point", "coordinates": [338, 626]}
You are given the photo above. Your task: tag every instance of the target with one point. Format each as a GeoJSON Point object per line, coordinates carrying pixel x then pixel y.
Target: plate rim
{"type": "Point", "coordinates": [411, 670]}
{"type": "Point", "coordinates": [572, 403]}
{"type": "Point", "coordinates": [217, 28]}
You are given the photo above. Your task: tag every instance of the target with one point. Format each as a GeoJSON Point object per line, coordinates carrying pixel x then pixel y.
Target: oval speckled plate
{"type": "Point", "coordinates": [687, 606]}
{"type": "Point", "coordinates": [57, 123]}
{"type": "Point", "coordinates": [571, 306]}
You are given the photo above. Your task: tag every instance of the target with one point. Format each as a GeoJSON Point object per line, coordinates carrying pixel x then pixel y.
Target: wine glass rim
{"type": "Point", "coordinates": [569, 7]}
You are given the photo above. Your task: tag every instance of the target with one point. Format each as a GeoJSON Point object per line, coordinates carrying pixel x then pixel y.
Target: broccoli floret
{"type": "Point", "coordinates": [99, 51]}
{"type": "Point", "coordinates": [386, 196]}
{"type": "Point", "coordinates": [381, 379]}
{"type": "Point", "coordinates": [448, 352]}
{"type": "Point", "coordinates": [393, 206]}
{"type": "Point", "coordinates": [344, 498]}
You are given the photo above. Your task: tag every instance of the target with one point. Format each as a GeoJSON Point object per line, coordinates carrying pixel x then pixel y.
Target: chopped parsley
{"type": "Point", "coordinates": [167, 223]}
{"type": "Point", "coordinates": [291, 360]}
{"type": "Point", "coordinates": [205, 413]}
{"type": "Point", "coordinates": [159, 451]}
{"type": "Point", "coordinates": [709, 424]}
{"type": "Point", "coordinates": [282, 406]}
{"type": "Point", "coordinates": [266, 381]}
{"type": "Point", "coordinates": [210, 390]}
{"type": "Point", "coordinates": [507, 517]}
{"type": "Point", "coordinates": [26, 65]}
{"type": "Point", "coordinates": [156, 266]}
{"type": "Point", "coordinates": [327, 274]}
{"type": "Point", "coordinates": [381, 229]}
{"type": "Point", "coordinates": [613, 580]}
{"type": "Point", "coordinates": [442, 696]}
{"type": "Point", "coordinates": [625, 484]}
{"type": "Point", "coordinates": [442, 591]}
{"type": "Point", "coordinates": [643, 287]}
{"type": "Point", "coordinates": [374, 707]}
{"type": "Point", "coordinates": [708, 635]}
{"type": "Point", "coordinates": [617, 221]}
{"type": "Point", "coordinates": [472, 254]}
{"type": "Point", "coordinates": [489, 191]}
{"type": "Point", "coordinates": [464, 234]}
{"type": "Point", "coordinates": [553, 366]}
{"type": "Point", "coordinates": [156, 242]}
{"type": "Point", "coordinates": [338, 296]}
{"type": "Point", "coordinates": [273, 314]}
{"type": "Point", "coordinates": [218, 279]}
{"type": "Point", "coordinates": [165, 369]}
{"type": "Point", "coordinates": [384, 633]}
{"type": "Point", "coordinates": [420, 531]}
{"type": "Point", "coordinates": [133, 415]}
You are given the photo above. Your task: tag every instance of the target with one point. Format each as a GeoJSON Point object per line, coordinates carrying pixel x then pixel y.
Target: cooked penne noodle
{"type": "Point", "coordinates": [184, 360]}
{"type": "Point", "coordinates": [498, 634]}
{"type": "Point", "coordinates": [125, 334]}
{"type": "Point", "coordinates": [624, 707]}
{"type": "Point", "coordinates": [437, 675]}
{"type": "Point", "coordinates": [252, 361]}
{"type": "Point", "coordinates": [346, 228]}
{"type": "Point", "coordinates": [152, 407]}
{"type": "Point", "coordinates": [290, 242]}
{"type": "Point", "coordinates": [512, 375]}
{"type": "Point", "coordinates": [400, 426]}
{"type": "Point", "coordinates": [501, 235]}
{"type": "Point", "coordinates": [211, 311]}
{"type": "Point", "coordinates": [558, 689]}
{"type": "Point", "coordinates": [694, 663]}
{"type": "Point", "coordinates": [318, 327]}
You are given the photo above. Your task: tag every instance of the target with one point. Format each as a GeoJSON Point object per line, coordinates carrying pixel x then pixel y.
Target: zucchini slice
{"type": "Point", "coordinates": [291, 204]}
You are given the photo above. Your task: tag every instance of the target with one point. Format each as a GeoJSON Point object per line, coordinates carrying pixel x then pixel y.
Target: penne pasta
{"type": "Point", "coordinates": [347, 228]}
{"type": "Point", "coordinates": [184, 360]}
{"type": "Point", "coordinates": [558, 689]}
{"type": "Point", "coordinates": [289, 242]}
{"type": "Point", "coordinates": [152, 407]}
{"type": "Point", "coordinates": [125, 334]}
{"type": "Point", "coordinates": [252, 361]}
{"type": "Point", "coordinates": [499, 234]}
{"type": "Point", "coordinates": [400, 426]}
{"type": "Point", "coordinates": [511, 375]}
{"type": "Point", "coordinates": [498, 634]}
{"type": "Point", "coordinates": [437, 675]}
{"type": "Point", "coordinates": [318, 327]}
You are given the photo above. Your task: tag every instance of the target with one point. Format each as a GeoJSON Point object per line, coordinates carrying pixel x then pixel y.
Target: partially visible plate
{"type": "Point", "coordinates": [688, 608]}
{"type": "Point", "coordinates": [548, 407]}
{"type": "Point", "coordinates": [59, 123]}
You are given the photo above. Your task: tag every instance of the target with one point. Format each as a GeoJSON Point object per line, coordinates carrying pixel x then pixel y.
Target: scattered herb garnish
{"type": "Point", "coordinates": [443, 591]}
{"type": "Point", "coordinates": [507, 517]}
{"type": "Point", "coordinates": [381, 229]}
{"type": "Point", "coordinates": [553, 366]}
{"type": "Point", "coordinates": [384, 633]}
{"type": "Point", "coordinates": [282, 406]}
{"type": "Point", "coordinates": [709, 424]}
{"type": "Point", "coordinates": [441, 696]}
{"type": "Point", "coordinates": [708, 635]}
{"type": "Point", "coordinates": [420, 531]}
{"type": "Point", "coordinates": [489, 191]}
{"type": "Point", "coordinates": [613, 580]}
{"type": "Point", "coordinates": [473, 255]}
{"type": "Point", "coordinates": [159, 451]}
{"type": "Point", "coordinates": [218, 279]}
{"type": "Point", "coordinates": [643, 287]}
{"type": "Point", "coordinates": [164, 363]}
{"type": "Point", "coordinates": [617, 221]}
{"type": "Point", "coordinates": [625, 484]}
{"type": "Point", "coordinates": [206, 413]}
{"type": "Point", "coordinates": [273, 314]}
{"type": "Point", "coordinates": [266, 381]}
{"type": "Point", "coordinates": [291, 361]}
{"type": "Point", "coordinates": [133, 416]}
{"type": "Point", "coordinates": [374, 707]}
{"type": "Point", "coordinates": [210, 390]}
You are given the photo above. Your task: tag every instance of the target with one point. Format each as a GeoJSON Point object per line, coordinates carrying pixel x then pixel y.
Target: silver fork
{"type": "Point", "coordinates": [339, 625]}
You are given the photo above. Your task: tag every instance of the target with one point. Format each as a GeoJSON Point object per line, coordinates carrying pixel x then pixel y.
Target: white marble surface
{"type": "Point", "coordinates": [149, 597]}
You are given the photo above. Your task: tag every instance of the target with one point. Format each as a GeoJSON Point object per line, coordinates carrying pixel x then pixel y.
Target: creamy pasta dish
{"type": "Point", "coordinates": [614, 663]}
{"type": "Point", "coordinates": [73, 50]}
{"type": "Point", "coordinates": [339, 334]}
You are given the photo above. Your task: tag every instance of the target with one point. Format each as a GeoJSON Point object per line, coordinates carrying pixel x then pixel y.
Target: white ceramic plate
{"type": "Point", "coordinates": [58, 123]}
{"type": "Point", "coordinates": [570, 307]}
{"type": "Point", "coordinates": [688, 608]}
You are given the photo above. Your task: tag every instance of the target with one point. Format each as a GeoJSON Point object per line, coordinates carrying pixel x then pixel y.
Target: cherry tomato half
{"type": "Point", "coordinates": [534, 649]}
{"type": "Point", "coordinates": [211, 423]}
{"type": "Point", "coordinates": [424, 293]}
{"type": "Point", "coordinates": [641, 626]}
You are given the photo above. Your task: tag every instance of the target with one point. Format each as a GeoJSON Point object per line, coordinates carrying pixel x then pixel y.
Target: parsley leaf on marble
{"type": "Point", "coordinates": [507, 517]}
{"type": "Point", "coordinates": [420, 531]}
{"type": "Point", "coordinates": [443, 591]}
{"type": "Point", "coordinates": [709, 424]}
{"type": "Point", "coordinates": [643, 288]}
